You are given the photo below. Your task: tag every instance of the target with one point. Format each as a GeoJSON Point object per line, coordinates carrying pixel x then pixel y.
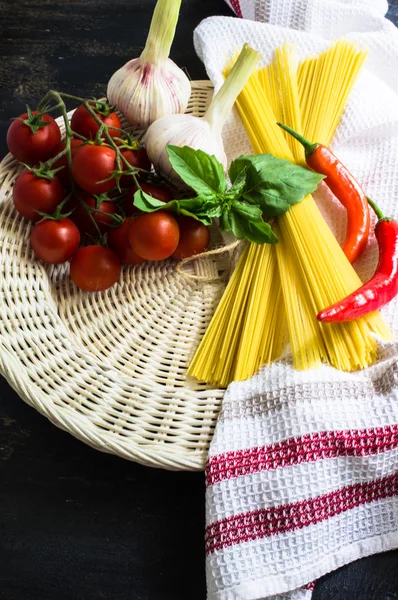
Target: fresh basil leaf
{"type": "Point", "coordinates": [202, 172]}
{"type": "Point", "coordinates": [258, 233]}
{"type": "Point", "coordinates": [202, 218]}
{"type": "Point", "coordinates": [238, 165]}
{"type": "Point", "coordinates": [237, 225]}
{"type": "Point", "coordinates": [147, 203]}
{"type": "Point", "coordinates": [212, 210]}
{"type": "Point", "coordinates": [248, 211]}
{"type": "Point", "coordinates": [203, 206]}
{"type": "Point", "coordinates": [271, 201]}
{"type": "Point", "coordinates": [190, 207]}
{"type": "Point", "coordinates": [193, 204]}
{"type": "Point", "coordinates": [236, 189]}
{"type": "Point", "coordinates": [187, 207]}
{"type": "Point", "coordinates": [226, 221]}
{"type": "Point", "coordinates": [261, 233]}
{"type": "Point", "coordinates": [273, 183]}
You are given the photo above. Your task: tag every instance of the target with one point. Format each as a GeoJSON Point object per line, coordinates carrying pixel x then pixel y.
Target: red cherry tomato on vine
{"type": "Point", "coordinates": [55, 242]}
{"type": "Point", "coordinates": [118, 241]}
{"type": "Point", "coordinates": [194, 238]}
{"type": "Point", "coordinates": [92, 163]}
{"type": "Point", "coordinates": [156, 191]}
{"type": "Point", "coordinates": [137, 158]}
{"type": "Point", "coordinates": [33, 143]}
{"type": "Point", "coordinates": [84, 124]}
{"type": "Point", "coordinates": [95, 268]}
{"type": "Point", "coordinates": [154, 236]}
{"type": "Point", "coordinates": [63, 174]}
{"type": "Point", "coordinates": [32, 193]}
{"type": "Point", "coordinates": [81, 216]}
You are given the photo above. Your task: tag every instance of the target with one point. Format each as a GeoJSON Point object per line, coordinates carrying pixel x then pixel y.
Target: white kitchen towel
{"type": "Point", "coordinates": [302, 474]}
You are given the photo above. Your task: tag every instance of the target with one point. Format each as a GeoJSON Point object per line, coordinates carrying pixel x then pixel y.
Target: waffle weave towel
{"type": "Point", "coordinates": [302, 472]}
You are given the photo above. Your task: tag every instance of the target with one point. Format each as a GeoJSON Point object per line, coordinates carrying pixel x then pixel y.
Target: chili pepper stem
{"type": "Point", "coordinates": [375, 208]}
{"type": "Point", "coordinates": [309, 147]}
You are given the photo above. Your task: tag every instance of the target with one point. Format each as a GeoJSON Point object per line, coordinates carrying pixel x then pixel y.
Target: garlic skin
{"type": "Point", "coordinates": [152, 86]}
{"type": "Point", "coordinates": [200, 133]}
{"type": "Point", "coordinates": [147, 92]}
{"type": "Point", "coordinates": [181, 130]}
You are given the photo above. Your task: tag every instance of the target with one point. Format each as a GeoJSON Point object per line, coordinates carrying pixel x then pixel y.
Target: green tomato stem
{"type": "Point", "coordinates": [53, 160]}
{"type": "Point", "coordinates": [59, 98]}
{"type": "Point", "coordinates": [88, 211]}
{"type": "Point", "coordinates": [53, 95]}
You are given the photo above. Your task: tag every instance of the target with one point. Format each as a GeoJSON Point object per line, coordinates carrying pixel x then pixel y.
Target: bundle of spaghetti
{"type": "Point", "coordinates": [325, 84]}
{"type": "Point", "coordinates": [227, 349]}
{"type": "Point", "coordinates": [262, 344]}
{"type": "Point", "coordinates": [313, 270]}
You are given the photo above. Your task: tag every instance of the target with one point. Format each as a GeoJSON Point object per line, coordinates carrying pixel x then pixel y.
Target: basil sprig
{"type": "Point", "coordinates": [261, 186]}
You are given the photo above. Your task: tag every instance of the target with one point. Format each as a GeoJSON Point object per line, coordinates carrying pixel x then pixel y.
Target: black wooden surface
{"type": "Point", "coordinates": [76, 524]}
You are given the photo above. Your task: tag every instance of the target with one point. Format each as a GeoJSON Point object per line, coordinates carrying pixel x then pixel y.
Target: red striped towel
{"type": "Point", "coordinates": [301, 478]}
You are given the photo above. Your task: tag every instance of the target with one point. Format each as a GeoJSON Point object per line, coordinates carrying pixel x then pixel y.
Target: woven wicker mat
{"type": "Point", "coordinates": [110, 367]}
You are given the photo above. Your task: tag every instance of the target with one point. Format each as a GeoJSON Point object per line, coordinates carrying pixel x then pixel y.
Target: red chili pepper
{"type": "Point", "coordinates": [381, 288]}
{"type": "Point", "coordinates": [346, 189]}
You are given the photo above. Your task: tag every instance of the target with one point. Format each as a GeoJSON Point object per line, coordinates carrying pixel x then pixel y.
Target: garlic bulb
{"type": "Point", "coordinates": [152, 86]}
{"type": "Point", "coordinates": [200, 133]}
{"type": "Point", "coordinates": [181, 130]}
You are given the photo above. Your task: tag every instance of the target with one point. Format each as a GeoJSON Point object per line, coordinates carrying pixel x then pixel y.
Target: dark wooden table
{"type": "Point", "coordinates": [76, 524]}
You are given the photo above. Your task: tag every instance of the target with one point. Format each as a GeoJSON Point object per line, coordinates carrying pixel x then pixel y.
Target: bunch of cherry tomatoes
{"type": "Point", "coordinates": [83, 208]}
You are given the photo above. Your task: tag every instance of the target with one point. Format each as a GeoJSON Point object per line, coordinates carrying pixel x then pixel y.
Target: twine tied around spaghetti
{"type": "Point", "coordinates": [230, 248]}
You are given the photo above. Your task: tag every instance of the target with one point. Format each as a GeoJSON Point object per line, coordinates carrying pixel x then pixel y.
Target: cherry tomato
{"type": "Point", "coordinates": [92, 163]}
{"type": "Point", "coordinates": [63, 174]}
{"type": "Point", "coordinates": [154, 236]}
{"type": "Point", "coordinates": [118, 241]}
{"type": "Point", "coordinates": [84, 124]}
{"type": "Point", "coordinates": [194, 238]}
{"type": "Point", "coordinates": [95, 268]}
{"type": "Point", "coordinates": [31, 146]}
{"type": "Point", "coordinates": [55, 242]}
{"type": "Point", "coordinates": [32, 193]}
{"type": "Point", "coordinates": [156, 191]}
{"type": "Point", "coordinates": [137, 158]}
{"type": "Point", "coordinates": [81, 217]}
